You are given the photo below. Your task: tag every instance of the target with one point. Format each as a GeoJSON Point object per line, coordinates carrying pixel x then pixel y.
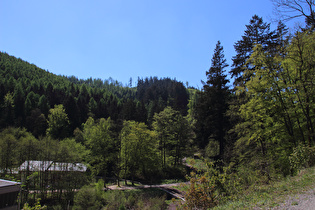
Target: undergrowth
{"type": "Point", "coordinates": [273, 194]}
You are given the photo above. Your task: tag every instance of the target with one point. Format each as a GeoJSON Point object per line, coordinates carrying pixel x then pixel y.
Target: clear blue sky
{"type": "Point", "coordinates": [123, 39]}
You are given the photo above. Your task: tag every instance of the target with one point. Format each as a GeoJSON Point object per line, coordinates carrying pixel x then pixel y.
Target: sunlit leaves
{"type": "Point", "coordinates": [58, 122]}
{"type": "Point", "coordinates": [280, 98]}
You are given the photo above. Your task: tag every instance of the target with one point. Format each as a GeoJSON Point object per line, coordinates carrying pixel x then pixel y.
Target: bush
{"type": "Point", "coordinates": [37, 206]}
{"type": "Point", "coordinates": [87, 198]}
{"type": "Point", "coordinates": [135, 199]}
{"type": "Point", "coordinates": [282, 163]}
{"type": "Point", "coordinates": [216, 185]}
{"type": "Point", "coordinates": [302, 156]}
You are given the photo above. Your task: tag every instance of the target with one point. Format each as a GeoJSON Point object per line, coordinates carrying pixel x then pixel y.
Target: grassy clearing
{"type": "Point", "coordinates": [197, 164]}
{"type": "Point", "coordinates": [171, 181]}
{"type": "Point", "coordinates": [135, 199]}
{"type": "Point", "coordinates": [129, 183]}
{"type": "Point", "coordinates": [272, 195]}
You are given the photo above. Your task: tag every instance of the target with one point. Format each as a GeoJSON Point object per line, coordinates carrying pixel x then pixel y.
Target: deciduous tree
{"type": "Point", "coordinates": [58, 122]}
{"type": "Point", "coordinates": [101, 144]}
{"type": "Point", "coordinates": [138, 150]}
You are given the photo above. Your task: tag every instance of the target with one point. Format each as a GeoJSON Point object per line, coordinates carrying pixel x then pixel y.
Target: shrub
{"type": "Point", "coordinates": [87, 198]}
{"type": "Point", "coordinates": [37, 206]}
{"type": "Point", "coordinates": [217, 184]}
{"type": "Point", "coordinates": [301, 157]}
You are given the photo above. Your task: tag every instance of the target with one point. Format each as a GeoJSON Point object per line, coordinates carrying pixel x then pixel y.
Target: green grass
{"type": "Point", "coordinates": [272, 195]}
{"type": "Point", "coordinates": [136, 199]}
{"type": "Point", "coordinates": [197, 164]}
{"type": "Point", "coordinates": [171, 181]}
{"type": "Point", "coordinates": [129, 183]}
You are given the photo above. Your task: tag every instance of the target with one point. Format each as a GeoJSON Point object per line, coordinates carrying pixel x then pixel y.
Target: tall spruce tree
{"type": "Point", "coordinates": [257, 32]}
{"type": "Point", "coordinates": [212, 122]}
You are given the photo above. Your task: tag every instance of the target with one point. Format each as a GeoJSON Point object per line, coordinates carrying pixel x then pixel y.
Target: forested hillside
{"type": "Point", "coordinates": [28, 91]}
{"type": "Point", "coordinates": [258, 131]}
{"type": "Point", "coordinates": [120, 132]}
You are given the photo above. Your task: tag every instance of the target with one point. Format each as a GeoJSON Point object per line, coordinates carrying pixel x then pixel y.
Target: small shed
{"type": "Point", "coordinates": [9, 192]}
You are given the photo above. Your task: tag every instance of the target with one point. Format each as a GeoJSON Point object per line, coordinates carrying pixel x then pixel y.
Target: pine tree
{"type": "Point", "coordinates": [213, 103]}
{"type": "Point", "coordinates": [257, 32]}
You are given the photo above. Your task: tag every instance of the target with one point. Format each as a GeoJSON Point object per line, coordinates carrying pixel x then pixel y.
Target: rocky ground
{"type": "Point", "coordinates": [303, 201]}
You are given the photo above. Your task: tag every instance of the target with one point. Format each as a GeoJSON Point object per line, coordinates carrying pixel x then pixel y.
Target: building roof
{"type": "Point", "coordinates": [35, 165]}
{"type": "Point", "coordinates": [7, 186]}
{"type": "Point", "coordinates": [56, 166]}
{"type": "Point", "coordinates": [4, 183]}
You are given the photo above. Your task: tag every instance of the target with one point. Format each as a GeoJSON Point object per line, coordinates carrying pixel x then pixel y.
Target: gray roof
{"type": "Point", "coordinates": [4, 183]}
{"type": "Point", "coordinates": [35, 165]}
{"type": "Point", "coordinates": [9, 186]}
{"type": "Point", "coordinates": [67, 167]}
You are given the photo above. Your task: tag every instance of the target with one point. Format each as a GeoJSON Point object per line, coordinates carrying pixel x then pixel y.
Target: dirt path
{"type": "Point", "coordinates": [303, 201]}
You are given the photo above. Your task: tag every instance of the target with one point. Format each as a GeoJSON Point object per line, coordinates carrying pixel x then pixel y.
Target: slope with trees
{"type": "Point", "coordinates": [257, 131]}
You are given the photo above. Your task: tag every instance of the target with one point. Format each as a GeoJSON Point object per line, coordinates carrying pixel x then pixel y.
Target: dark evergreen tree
{"type": "Point", "coordinates": [82, 102]}
{"type": "Point", "coordinates": [212, 123]}
{"type": "Point", "coordinates": [36, 123]}
{"type": "Point", "coordinates": [19, 102]}
{"type": "Point", "coordinates": [102, 111]}
{"type": "Point", "coordinates": [257, 32]}
{"type": "Point", "coordinates": [7, 115]}
{"type": "Point", "coordinates": [156, 94]}
{"type": "Point", "coordinates": [141, 113]}
{"type": "Point", "coordinates": [273, 43]}
{"type": "Point", "coordinates": [129, 110]}
{"type": "Point", "coordinates": [73, 112]}
{"type": "Point", "coordinates": [43, 105]}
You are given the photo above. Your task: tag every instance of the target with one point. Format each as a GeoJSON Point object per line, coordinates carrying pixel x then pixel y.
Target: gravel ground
{"type": "Point", "coordinates": [303, 201]}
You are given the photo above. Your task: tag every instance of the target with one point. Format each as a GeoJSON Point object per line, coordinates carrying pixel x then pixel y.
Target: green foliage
{"type": "Point", "coordinates": [156, 94]}
{"type": "Point", "coordinates": [8, 109]}
{"type": "Point", "coordinates": [212, 123]}
{"type": "Point", "coordinates": [16, 146]}
{"type": "Point", "coordinates": [257, 32]}
{"type": "Point", "coordinates": [273, 111]}
{"type": "Point", "coordinates": [212, 149]}
{"type": "Point", "coordinates": [29, 88]}
{"type": "Point", "coordinates": [36, 123]}
{"type": "Point", "coordinates": [138, 154]}
{"type": "Point", "coordinates": [278, 112]}
{"type": "Point", "coordinates": [9, 100]}
{"type": "Point", "coordinates": [71, 151]}
{"type": "Point", "coordinates": [37, 206]}
{"type": "Point", "coordinates": [215, 185]}
{"type": "Point", "coordinates": [262, 196]}
{"type": "Point", "coordinates": [103, 149]}
{"type": "Point", "coordinates": [174, 134]}
{"type": "Point", "coordinates": [87, 198]}
{"type": "Point", "coordinates": [58, 122]}
{"type": "Point", "coordinates": [93, 197]}
{"type": "Point", "coordinates": [136, 199]}
{"type": "Point", "coordinates": [301, 157]}
{"type": "Point", "coordinates": [200, 193]}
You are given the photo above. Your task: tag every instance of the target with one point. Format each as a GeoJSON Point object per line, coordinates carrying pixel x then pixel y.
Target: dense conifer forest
{"type": "Point", "coordinates": [257, 131]}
